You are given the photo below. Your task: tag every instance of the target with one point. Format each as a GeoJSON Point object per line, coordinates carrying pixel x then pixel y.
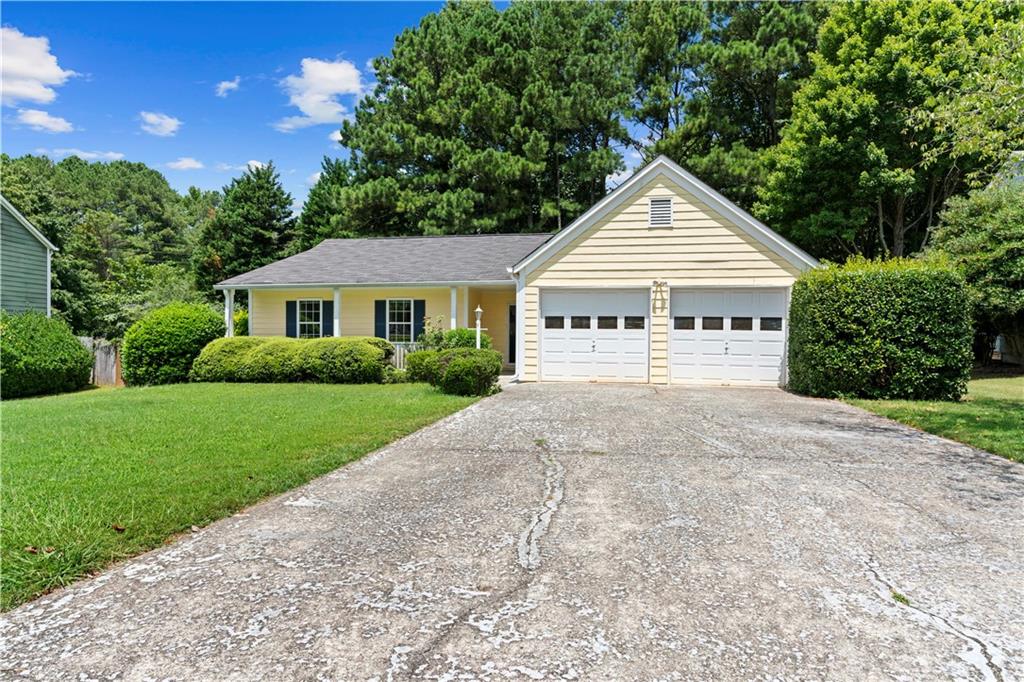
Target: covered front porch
{"type": "Point", "coordinates": [399, 314]}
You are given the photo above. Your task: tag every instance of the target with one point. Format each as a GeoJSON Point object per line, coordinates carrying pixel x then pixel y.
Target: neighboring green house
{"type": "Point", "coordinates": [24, 263]}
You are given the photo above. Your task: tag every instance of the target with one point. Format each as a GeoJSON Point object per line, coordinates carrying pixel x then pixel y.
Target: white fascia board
{"type": "Point", "coordinates": [27, 225]}
{"type": "Point", "coordinates": [662, 164]}
{"type": "Point", "coordinates": [372, 285]}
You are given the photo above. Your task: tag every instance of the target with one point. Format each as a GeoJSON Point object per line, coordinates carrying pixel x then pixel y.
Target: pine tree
{"type": "Point", "coordinates": [251, 228]}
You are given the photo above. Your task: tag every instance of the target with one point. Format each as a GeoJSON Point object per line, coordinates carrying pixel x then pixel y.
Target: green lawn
{"type": "Point", "coordinates": [93, 477]}
{"type": "Point", "coordinates": [991, 417]}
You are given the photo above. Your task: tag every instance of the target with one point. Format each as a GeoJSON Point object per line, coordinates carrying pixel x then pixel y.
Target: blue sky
{"type": "Point", "coordinates": [140, 82]}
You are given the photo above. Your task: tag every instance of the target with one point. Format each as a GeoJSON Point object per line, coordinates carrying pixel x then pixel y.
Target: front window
{"type": "Point", "coordinates": [309, 319]}
{"type": "Point", "coordinates": [400, 320]}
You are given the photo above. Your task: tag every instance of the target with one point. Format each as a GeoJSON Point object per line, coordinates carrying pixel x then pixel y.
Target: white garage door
{"type": "Point", "coordinates": [594, 336]}
{"type": "Point", "coordinates": [727, 336]}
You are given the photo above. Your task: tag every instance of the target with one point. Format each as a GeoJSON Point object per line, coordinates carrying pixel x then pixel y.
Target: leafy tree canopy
{"type": "Point", "coordinates": [853, 173]}
{"type": "Point", "coordinates": [982, 234]}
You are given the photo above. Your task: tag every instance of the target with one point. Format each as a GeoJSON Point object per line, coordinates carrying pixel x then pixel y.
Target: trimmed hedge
{"type": "Point", "coordinates": [39, 355]}
{"type": "Point", "coordinates": [344, 360]}
{"type": "Point", "coordinates": [160, 348]}
{"type": "Point", "coordinates": [459, 371]}
{"type": "Point", "coordinates": [897, 329]}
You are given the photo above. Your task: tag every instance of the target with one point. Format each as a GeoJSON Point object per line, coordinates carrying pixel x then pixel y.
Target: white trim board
{"type": "Point", "coordinates": [364, 285]}
{"type": "Point", "coordinates": [675, 173]}
{"type": "Point", "coordinates": [26, 224]}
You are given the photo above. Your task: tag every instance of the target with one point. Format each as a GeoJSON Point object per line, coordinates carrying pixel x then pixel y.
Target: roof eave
{"type": "Point", "coordinates": [27, 225]}
{"type": "Point", "coordinates": [226, 284]}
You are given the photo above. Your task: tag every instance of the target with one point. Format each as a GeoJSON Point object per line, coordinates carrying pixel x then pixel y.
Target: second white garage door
{"type": "Point", "coordinates": [727, 336]}
{"type": "Point", "coordinates": [594, 336]}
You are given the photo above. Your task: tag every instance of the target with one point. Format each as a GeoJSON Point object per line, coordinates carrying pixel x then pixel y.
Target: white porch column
{"type": "Point", "coordinates": [229, 312]}
{"type": "Point", "coordinates": [337, 311]}
{"type": "Point", "coordinates": [455, 307]}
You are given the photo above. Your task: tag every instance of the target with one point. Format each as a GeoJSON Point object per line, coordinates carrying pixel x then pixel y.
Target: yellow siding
{"type": "Point", "coordinates": [494, 303]}
{"type": "Point", "coordinates": [267, 308]}
{"type": "Point", "coordinates": [700, 249]}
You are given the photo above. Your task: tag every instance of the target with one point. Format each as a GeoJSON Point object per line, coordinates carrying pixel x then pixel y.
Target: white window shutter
{"type": "Point", "coordinates": [660, 212]}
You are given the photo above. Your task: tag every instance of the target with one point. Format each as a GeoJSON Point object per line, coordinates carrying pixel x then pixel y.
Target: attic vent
{"type": "Point", "coordinates": [661, 213]}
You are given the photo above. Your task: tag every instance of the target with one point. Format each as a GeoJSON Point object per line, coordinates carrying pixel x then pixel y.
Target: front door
{"type": "Point", "coordinates": [512, 334]}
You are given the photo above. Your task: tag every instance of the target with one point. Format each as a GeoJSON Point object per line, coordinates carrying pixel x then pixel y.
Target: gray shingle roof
{"type": "Point", "coordinates": [398, 260]}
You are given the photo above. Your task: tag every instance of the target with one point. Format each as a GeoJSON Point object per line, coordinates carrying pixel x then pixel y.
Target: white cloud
{"type": "Point", "coordinates": [224, 87]}
{"type": "Point", "coordinates": [82, 154]}
{"type": "Point", "coordinates": [185, 163]}
{"type": "Point", "coordinates": [335, 136]}
{"type": "Point", "coordinates": [249, 165]}
{"type": "Point", "coordinates": [40, 120]}
{"type": "Point", "coordinates": [159, 124]}
{"type": "Point", "coordinates": [316, 91]}
{"type": "Point", "coordinates": [314, 178]}
{"type": "Point", "coordinates": [28, 71]}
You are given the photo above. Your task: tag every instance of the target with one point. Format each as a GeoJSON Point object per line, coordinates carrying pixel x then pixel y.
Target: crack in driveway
{"type": "Point", "coordinates": [554, 489]}
{"type": "Point", "coordinates": [986, 664]}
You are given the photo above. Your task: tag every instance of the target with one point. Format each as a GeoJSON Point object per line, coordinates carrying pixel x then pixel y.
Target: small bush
{"type": "Point", "coordinates": [222, 359]}
{"type": "Point", "coordinates": [469, 373]}
{"type": "Point", "coordinates": [341, 361]}
{"type": "Point", "coordinates": [393, 375]}
{"type": "Point", "coordinates": [436, 337]}
{"type": "Point", "coordinates": [160, 348]}
{"type": "Point", "coordinates": [39, 355]}
{"type": "Point", "coordinates": [896, 329]}
{"type": "Point", "coordinates": [344, 360]}
{"type": "Point", "coordinates": [241, 323]}
{"type": "Point", "coordinates": [423, 365]}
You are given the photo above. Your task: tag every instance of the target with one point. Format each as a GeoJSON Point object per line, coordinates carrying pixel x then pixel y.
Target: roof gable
{"type": "Point", "coordinates": [663, 166]}
{"type": "Point", "coordinates": [26, 224]}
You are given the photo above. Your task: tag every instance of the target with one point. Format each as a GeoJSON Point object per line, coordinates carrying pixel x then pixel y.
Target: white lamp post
{"type": "Point", "coordinates": [479, 311]}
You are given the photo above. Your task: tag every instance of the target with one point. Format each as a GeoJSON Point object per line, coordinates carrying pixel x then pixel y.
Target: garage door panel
{"type": "Point", "coordinates": [719, 336]}
{"type": "Point", "coordinates": [596, 345]}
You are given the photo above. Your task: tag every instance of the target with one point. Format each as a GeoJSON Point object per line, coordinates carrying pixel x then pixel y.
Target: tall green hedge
{"type": "Point", "coordinates": [160, 348]}
{"type": "Point", "coordinates": [39, 355]}
{"type": "Point", "coordinates": [880, 329]}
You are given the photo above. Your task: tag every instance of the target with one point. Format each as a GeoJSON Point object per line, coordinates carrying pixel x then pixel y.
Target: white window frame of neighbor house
{"type": "Point", "coordinates": [319, 318]}
{"type": "Point", "coordinates": [650, 212]}
{"type": "Point", "coordinates": [388, 322]}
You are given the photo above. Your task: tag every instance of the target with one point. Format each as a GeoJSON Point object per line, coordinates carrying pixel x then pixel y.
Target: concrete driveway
{"type": "Point", "coordinates": [583, 532]}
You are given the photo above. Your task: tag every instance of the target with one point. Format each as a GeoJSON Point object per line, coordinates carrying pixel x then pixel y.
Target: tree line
{"type": "Point", "coordinates": [847, 127]}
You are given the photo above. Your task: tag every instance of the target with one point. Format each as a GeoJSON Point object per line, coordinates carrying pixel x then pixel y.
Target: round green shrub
{"type": "Point", "coordinates": [469, 373]}
{"type": "Point", "coordinates": [423, 365]}
{"type": "Point", "coordinates": [39, 355]}
{"type": "Point", "coordinates": [160, 348]}
{"type": "Point", "coordinates": [340, 360]}
{"type": "Point", "coordinates": [896, 329]}
{"type": "Point", "coordinates": [222, 359]}
{"type": "Point", "coordinates": [274, 361]}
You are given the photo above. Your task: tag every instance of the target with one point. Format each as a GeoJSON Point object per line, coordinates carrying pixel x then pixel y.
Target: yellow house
{"type": "Point", "coordinates": [663, 280]}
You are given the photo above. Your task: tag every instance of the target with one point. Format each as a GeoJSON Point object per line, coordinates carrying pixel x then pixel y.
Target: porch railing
{"type": "Point", "coordinates": [401, 350]}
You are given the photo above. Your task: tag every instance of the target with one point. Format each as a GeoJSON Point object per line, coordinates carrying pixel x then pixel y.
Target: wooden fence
{"type": "Point", "coordinates": [106, 361]}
